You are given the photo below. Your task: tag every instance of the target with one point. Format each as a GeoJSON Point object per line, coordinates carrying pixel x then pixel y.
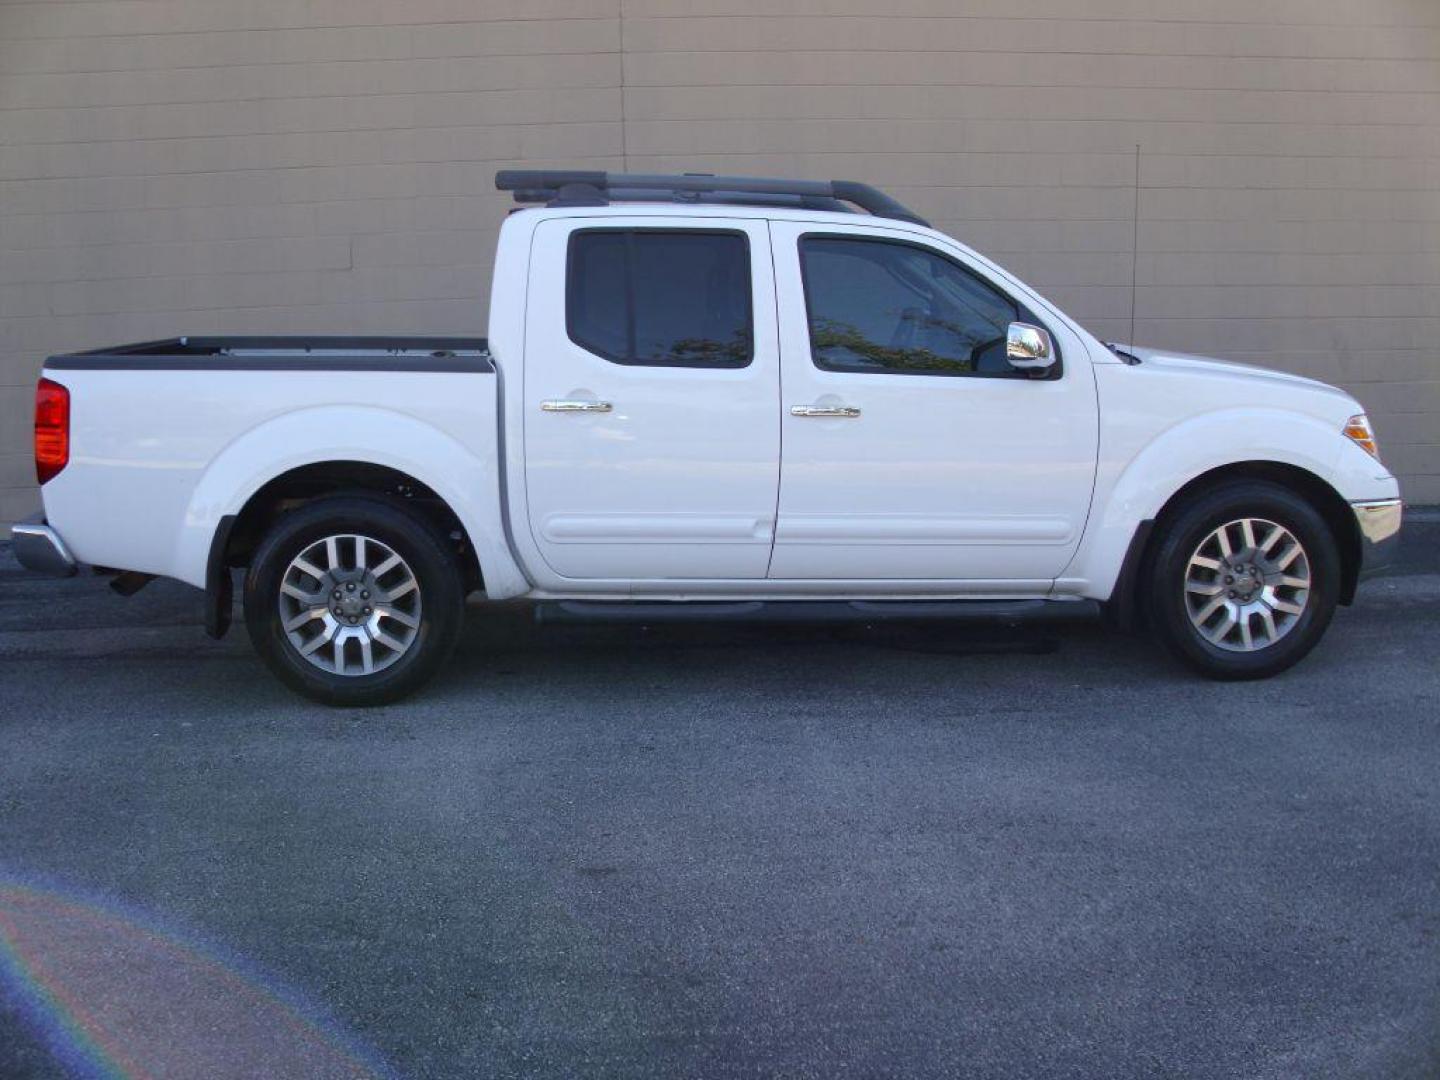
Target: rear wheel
{"type": "Point", "coordinates": [1243, 581]}
{"type": "Point", "coordinates": [353, 600]}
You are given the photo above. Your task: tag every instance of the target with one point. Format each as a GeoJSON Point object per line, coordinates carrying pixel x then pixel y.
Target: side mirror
{"type": "Point", "coordinates": [1029, 348]}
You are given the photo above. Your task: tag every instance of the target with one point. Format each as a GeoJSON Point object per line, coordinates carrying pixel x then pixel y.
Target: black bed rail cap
{"type": "Point", "coordinates": [581, 187]}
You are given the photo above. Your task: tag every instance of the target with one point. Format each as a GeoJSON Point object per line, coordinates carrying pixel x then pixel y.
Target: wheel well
{"type": "Point", "coordinates": [1328, 503]}
{"type": "Point", "coordinates": [309, 482]}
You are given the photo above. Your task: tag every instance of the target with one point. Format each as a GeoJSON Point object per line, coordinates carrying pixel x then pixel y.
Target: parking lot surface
{"type": "Point", "coordinates": [719, 851]}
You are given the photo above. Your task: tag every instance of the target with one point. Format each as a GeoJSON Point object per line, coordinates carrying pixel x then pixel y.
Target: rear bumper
{"type": "Point", "coordinates": [39, 548]}
{"type": "Point", "coordinates": [1379, 522]}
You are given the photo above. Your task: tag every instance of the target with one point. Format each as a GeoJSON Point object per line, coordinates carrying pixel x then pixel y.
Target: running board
{"type": "Point", "coordinates": [811, 611]}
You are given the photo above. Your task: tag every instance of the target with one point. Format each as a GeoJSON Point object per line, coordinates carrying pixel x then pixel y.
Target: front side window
{"type": "Point", "coordinates": [667, 298]}
{"type": "Point", "coordinates": [888, 307]}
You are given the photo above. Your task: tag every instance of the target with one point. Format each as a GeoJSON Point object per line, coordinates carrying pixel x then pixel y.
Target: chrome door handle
{"type": "Point", "coordinates": [847, 411]}
{"type": "Point", "coordinates": [571, 405]}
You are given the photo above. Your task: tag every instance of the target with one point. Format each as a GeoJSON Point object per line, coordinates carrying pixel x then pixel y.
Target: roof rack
{"type": "Point", "coordinates": [578, 187]}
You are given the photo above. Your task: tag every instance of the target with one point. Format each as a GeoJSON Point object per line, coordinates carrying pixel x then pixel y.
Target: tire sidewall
{"type": "Point", "coordinates": [1184, 533]}
{"type": "Point", "coordinates": [411, 537]}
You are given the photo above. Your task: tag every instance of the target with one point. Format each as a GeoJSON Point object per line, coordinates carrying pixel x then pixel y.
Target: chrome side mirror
{"type": "Point", "coordinates": [1029, 348]}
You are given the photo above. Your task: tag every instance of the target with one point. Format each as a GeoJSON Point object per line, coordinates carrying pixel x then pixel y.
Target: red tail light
{"type": "Point", "coordinates": [52, 429]}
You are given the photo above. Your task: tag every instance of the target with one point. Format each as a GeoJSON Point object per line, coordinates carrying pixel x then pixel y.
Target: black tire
{"type": "Point", "coordinates": [1179, 537]}
{"type": "Point", "coordinates": [426, 555]}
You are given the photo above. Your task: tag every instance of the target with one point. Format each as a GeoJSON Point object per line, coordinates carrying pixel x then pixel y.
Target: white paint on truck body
{"type": "Point", "coordinates": [701, 483]}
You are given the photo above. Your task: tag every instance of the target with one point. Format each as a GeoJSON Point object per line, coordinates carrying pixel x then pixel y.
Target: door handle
{"type": "Point", "coordinates": [572, 405]}
{"type": "Point", "coordinates": [847, 411]}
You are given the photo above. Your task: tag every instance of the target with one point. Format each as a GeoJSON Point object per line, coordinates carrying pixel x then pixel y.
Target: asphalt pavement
{"type": "Point", "coordinates": [719, 851]}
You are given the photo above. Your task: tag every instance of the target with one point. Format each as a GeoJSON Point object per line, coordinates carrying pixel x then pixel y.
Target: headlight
{"type": "Point", "coordinates": [1359, 431]}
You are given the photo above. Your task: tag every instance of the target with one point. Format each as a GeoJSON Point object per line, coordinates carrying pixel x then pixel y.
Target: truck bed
{"type": "Point", "coordinates": [292, 353]}
{"type": "Point", "coordinates": [168, 437]}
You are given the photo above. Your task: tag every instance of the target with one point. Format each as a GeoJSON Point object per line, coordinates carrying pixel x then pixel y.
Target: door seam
{"type": "Point", "coordinates": [779, 396]}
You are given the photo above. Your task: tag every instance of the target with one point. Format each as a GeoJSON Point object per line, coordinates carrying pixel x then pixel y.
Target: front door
{"type": "Point", "coordinates": [911, 449]}
{"type": "Point", "coordinates": [652, 440]}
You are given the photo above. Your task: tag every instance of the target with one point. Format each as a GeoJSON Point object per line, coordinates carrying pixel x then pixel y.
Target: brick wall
{"type": "Point", "coordinates": [313, 166]}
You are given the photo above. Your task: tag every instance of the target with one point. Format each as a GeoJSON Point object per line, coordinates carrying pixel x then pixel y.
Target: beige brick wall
{"type": "Point", "coordinates": [312, 166]}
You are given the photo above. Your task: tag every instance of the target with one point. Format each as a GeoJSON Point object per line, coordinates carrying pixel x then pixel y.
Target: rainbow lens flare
{"type": "Point", "coordinates": [114, 995]}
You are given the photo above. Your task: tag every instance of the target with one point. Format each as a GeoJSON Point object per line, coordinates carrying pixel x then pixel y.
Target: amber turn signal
{"type": "Point", "coordinates": [1359, 431]}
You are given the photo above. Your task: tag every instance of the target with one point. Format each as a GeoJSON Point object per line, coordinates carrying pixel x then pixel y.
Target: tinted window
{"type": "Point", "coordinates": [670, 298]}
{"type": "Point", "coordinates": [877, 306]}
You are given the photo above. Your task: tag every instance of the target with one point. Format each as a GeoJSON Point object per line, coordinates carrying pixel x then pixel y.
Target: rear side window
{"type": "Point", "coordinates": [660, 297]}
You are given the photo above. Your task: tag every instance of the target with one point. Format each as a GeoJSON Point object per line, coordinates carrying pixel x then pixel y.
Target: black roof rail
{"type": "Point", "coordinates": [579, 187]}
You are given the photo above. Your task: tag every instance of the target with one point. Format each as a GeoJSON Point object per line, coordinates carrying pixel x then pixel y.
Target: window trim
{"type": "Point", "coordinates": [1023, 311]}
{"type": "Point", "coordinates": [629, 231]}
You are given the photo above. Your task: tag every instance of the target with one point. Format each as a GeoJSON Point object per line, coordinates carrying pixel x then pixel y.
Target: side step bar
{"type": "Point", "coordinates": [812, 611]}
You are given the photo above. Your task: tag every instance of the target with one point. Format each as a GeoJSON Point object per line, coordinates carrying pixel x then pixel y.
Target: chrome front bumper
{"type": "Point", "coordinates": [1379, 522]}
{"type": "Point", "coordinates": [39, 548]}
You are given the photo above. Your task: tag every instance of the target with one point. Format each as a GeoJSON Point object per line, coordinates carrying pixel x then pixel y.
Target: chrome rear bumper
{"type": "Point", "coordinates": [39, 548]}
{"type": "Point", "coordinates": [1379, 522]}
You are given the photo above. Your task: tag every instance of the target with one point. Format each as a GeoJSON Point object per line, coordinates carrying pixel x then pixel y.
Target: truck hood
{"type": "Point", "coordinates": [1210, 367]}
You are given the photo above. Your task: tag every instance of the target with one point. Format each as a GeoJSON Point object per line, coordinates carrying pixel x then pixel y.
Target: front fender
{"type": "Point", "coordinates": [1133, 488]}
{"type": "Point", "coordinates": [467, 479]}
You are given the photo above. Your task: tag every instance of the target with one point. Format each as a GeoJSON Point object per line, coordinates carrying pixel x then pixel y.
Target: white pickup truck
{"type": "Point", "coordinates": [712, 397]}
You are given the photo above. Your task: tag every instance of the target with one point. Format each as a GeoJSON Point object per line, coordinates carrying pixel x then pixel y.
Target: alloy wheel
{"type": "Point", "coordinates": [350, 605]}
{"type": "Point", "coordinates": [1247, 584]}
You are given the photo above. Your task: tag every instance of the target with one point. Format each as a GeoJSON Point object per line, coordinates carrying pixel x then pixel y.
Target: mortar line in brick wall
{"type": "Point", "coordinates": [624, 139]}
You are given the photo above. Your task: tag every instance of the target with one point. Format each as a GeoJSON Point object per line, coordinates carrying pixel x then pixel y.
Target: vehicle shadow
{"type": "Point", "coordinates": [506, 640]}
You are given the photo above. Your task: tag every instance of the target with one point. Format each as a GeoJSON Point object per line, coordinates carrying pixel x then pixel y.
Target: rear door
{"type": "Point", "coordinates": [652, 437]}
{"type": "Point", "coordinates": [911, 449]}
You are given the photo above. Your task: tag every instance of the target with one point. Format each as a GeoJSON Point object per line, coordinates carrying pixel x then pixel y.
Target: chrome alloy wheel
{"type": "Point", "coordinates": [350, 605]}
{"type": "Point", "coordinates": [1247, 584]}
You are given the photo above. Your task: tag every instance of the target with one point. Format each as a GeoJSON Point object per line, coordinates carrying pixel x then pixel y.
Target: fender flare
{"type": "Point", "coordinates": [468, 482]}
{"type": "Point", "coordinates": [1176, 457]}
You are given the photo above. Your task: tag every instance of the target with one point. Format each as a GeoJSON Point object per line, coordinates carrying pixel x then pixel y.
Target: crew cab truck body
{"type": "Point", "coordinates": [711, 396]}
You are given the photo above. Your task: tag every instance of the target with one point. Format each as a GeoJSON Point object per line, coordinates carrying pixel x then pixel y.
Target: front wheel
{"type": "Point", "coordinates": [1243, 581]}
{"type": "Point", "coordinates": [353, 600]}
